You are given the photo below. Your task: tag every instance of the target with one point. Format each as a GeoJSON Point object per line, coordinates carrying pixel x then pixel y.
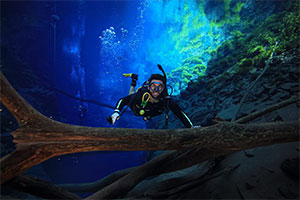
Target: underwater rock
{"type": "Point", "coordinates": [291, 168]}
{"type": "Point", "coordinates": [265, 172]}
{"type": "Point", "coordinates": [249, 186]}
{"type": "Point", "coordinates": [288, 86]}
{"type": "Point", "coordinates": [221, 96]}
{"type": "Point", "coordinates": [277, 118]}
{"type": "Point", "coordinates": [286, 192]}
{"type": "Point", "coordinates": [257, 178]}
{"type": "Point", "coordinates": [249, 153]}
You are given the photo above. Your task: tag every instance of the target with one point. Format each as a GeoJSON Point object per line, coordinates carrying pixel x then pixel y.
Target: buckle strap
{"type": "Point", "coordinates": [145, 99]}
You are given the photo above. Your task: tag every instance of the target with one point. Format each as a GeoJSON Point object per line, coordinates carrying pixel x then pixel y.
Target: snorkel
{"type": "Point", "coordinates": [164, 92]}
{"type": "Point", "coordinates": [162, 70]}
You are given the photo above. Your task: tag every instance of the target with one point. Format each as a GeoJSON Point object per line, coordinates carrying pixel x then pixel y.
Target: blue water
{"type": "Point", "coordinates": [87, 68]}
{"type": "Point", "coordinates": [91, 166]}
{"type": "Point", "coordinates": [84, 47]}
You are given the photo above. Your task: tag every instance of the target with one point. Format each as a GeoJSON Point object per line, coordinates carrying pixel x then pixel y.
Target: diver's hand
{"type": "Point", "coordinates": [115, 116]}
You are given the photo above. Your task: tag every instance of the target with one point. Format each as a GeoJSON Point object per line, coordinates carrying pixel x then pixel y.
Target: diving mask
{"type": "Point", "coordinates": [156, 86]}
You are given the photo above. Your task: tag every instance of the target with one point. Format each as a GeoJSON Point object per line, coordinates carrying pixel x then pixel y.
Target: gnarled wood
{"type": "Point", "coordinates": [40, 138]}
{"type": "Point", "coordinates": [180, 159]}
{"type": "Point", "coordinates": [177, 160]}
{"type": "Point", "coordinates": [220, 137]}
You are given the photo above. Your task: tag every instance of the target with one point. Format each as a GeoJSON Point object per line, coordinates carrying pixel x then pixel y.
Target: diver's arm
{"type": "Point", "coordinates": [120, 105]}
{"type": "Point", "coordinates": [180, 114]}
{"type": "Point", "coordinates": [123, 102]}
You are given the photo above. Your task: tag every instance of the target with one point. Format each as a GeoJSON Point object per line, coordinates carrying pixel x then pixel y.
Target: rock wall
{"type": "Point", "coordinates": [270, 172]}
{"type": "Point", "coordinates": [260, 173]}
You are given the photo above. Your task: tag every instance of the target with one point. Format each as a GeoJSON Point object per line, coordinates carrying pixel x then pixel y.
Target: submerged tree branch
{"type": "Point", "coordinates": [179, 158]}
{"type": "Point", "coordinates": [33, 147]}
{"type": "Point", "coordinates": [40, 188]}
{"type": "Point", "coordinates": [97, 185]}
{"type": "Point", "coordinates": [40, 138]}
{"type": "Point", "coordinates": [253, 84]}
{"type": "Point", "coordinates": [259, 113]}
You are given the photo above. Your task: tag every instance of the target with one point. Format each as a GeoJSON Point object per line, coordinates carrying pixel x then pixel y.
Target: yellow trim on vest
{"type": "Point", "coordinates": [143, 98]}
{"type": "Point", "coordinates": [138, 89]}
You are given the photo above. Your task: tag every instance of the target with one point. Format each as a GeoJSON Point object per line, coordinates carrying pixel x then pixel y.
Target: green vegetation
{"type": "Point", "coordinates": [193, 60]}
{"type": "Point", "coordinates": [190, 69]}
{"type": "Point", "coordinates": [232, 11]}
{"type": "Point", "coordinates": [193, 67]}
{"type": "Point", "coordinates": [248, 53]}
{"type": "Point", "coordinates": [248, 46]}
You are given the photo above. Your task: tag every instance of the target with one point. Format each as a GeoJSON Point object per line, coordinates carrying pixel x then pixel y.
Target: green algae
{"type": "Point", "coordinates": [244, 53]}
{"type": "Point", "coordinates": [248, 47]}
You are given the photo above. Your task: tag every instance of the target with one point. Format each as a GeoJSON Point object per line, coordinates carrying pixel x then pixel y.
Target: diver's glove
{"type": "Point", "coordinates": [196, 126]}
{"type": "Point", "coordinates": [115, 116]}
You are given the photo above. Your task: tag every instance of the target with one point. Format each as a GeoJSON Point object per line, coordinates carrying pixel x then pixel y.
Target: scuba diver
{"type": "Point", "coordinates": [150, 100]}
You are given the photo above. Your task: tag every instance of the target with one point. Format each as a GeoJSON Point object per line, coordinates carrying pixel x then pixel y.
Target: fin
{"type": "Point", "coordinates": [127, 75]}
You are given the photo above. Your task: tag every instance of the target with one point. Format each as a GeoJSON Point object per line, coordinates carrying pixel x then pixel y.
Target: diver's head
{"type": "Point", "coordinates": [157, 84]}
{"type": "Point", "coordinates": [158, 77]}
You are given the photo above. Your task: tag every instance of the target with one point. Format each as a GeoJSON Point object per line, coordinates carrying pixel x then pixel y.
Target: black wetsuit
{"type": "Point", "coordinates": [152, 109]}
